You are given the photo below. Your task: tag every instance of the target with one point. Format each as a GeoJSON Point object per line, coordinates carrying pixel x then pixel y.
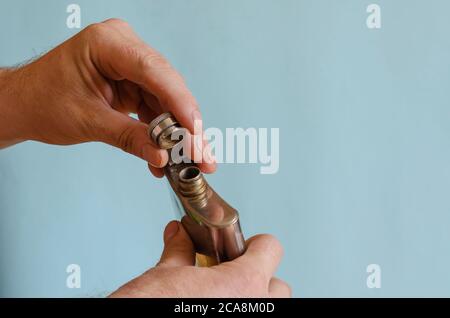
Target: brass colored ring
{"type": "Point", "coordinates": [159, 124]}
{"type": "Point", "coordinates": [165, 141]}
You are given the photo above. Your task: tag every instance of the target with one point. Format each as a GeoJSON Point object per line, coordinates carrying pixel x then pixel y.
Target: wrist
{"type": "Point", "coordinates": [12, 126]}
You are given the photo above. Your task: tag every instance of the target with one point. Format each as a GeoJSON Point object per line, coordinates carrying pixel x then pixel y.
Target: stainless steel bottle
{"type": "Point", "coordinates": [212, 223]}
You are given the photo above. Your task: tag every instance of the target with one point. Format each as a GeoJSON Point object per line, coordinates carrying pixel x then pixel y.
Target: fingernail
{"type": "Point", "coordinates": [171, 230]}
{"type": "Point", "coordinates": [198, 122]}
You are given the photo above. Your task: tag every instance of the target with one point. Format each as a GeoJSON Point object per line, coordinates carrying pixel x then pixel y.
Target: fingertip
{"type": "Point", "coordinates": [158, 158]}
{"type": "Point", "coordinates": [208, 158]}
{"type": "Point", "coordinates": [279, 288]}
{"type": "Point", "coordinates": [171, 230]}
{"type": "Point", "coordinates": [157, 172]}
{"type": "Point", "coordinates": [163, 158]}
{"type": "Point", "coordinates": [178, 247]}
{"type": "Point", "coordinates": [210, 164]}
{"type": "Point", "coordinates": [208, 168]}
{"type": "Point", "coordinates": [266, 242]}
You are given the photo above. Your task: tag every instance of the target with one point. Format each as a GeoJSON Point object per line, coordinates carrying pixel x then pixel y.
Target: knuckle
{"type": "Point", "coordinates": [133, 52]}
{"type": "Point", "coordinates": [125, 139]}
{"type": "Point", "coordinates": [147, 59]}
{"type": "Point", "coordinates": [97, 29]}
{"type": "Point", "coordinates": [154, 60]}
{"type": "Point", "coordinates": [272, 244]}
{"type": "Point", "coordinates": [117, 22]}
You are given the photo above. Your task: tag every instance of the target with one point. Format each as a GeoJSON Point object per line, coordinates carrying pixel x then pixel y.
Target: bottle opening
{"type": "Point", "coordinates": [190, 174]}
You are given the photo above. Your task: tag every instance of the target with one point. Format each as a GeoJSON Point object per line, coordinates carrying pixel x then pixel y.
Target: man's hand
{"type": "Point", "coordinates": [84, 90]}
{"type": "Point", "coordinates": [250, 275]}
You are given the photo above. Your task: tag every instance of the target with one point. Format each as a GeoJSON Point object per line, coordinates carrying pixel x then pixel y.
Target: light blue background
{"type": "Point", "coordinates": [364, 118]}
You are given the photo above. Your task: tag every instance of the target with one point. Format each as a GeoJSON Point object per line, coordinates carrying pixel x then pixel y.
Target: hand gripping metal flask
{"type": "Point", "coordinates": [212, 224]}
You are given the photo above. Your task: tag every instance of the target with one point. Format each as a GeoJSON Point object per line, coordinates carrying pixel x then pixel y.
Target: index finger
{"type": "Point", "coordinates": [122, 55]}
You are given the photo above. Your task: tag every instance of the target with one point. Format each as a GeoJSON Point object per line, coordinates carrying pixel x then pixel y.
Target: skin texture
{"type": "Point", "coordinates": [250, 275]}
{"type": "Point", "coordinates": [83, 91]}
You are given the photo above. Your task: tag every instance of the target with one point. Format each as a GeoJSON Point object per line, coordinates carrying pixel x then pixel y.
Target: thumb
{"type": "Point", "coordinates": [130, 135]}
{"type": "Point", "coordinates": [178, 247]}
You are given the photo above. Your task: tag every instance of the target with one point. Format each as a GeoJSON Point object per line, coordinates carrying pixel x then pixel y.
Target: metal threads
{"type": "Point", "coordinates": [193, 186]}
{"type": "Point", "coordinates": [161, 129]}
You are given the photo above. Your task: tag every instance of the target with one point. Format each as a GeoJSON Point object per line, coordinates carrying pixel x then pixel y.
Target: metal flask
{"type": "Point", "coordinates": [212, 224]}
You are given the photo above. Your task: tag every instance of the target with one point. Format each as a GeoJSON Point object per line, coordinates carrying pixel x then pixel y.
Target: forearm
{"type": "Point", "coordinates": [12, 125]}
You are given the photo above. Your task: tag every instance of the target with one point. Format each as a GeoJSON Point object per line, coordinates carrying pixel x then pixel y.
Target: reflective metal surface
{"type": "Point", "coordinates": [211, 222]}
